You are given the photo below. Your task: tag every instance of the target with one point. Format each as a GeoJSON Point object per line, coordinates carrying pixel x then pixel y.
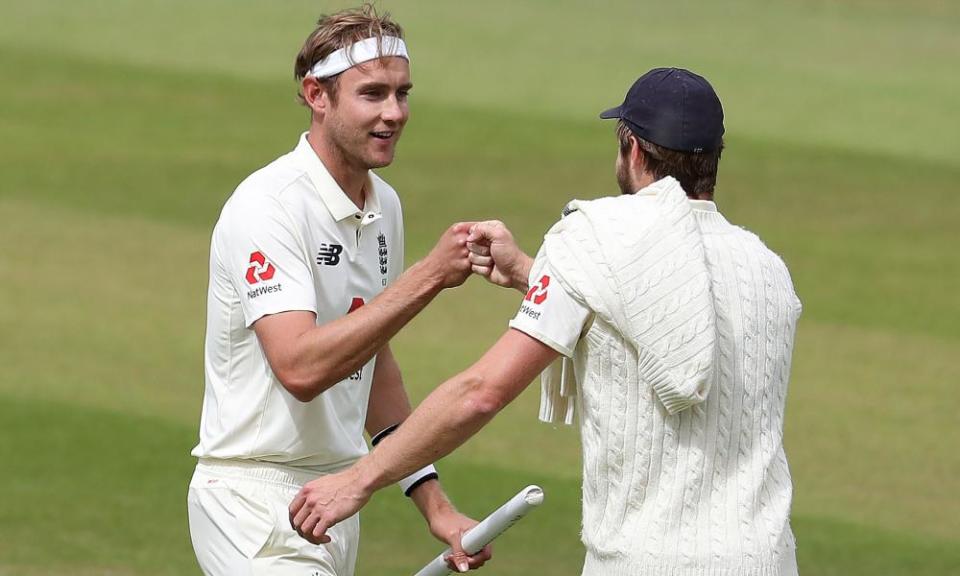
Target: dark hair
{"type": "Point", "coordinates": [696, 172]}
{"type": "Point", "coordinates": [335, 31]}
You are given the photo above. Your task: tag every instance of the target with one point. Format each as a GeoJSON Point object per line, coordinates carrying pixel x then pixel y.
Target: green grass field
{"type": "Point", "coordinates": [125, 125]}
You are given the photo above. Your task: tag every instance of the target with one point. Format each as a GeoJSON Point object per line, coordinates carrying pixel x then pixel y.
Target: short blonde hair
{"type": "Point", "coordinates": [336, 31]}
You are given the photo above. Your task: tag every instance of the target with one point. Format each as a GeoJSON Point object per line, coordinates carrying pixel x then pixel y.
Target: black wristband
{"type": "Point", "coordinates": [384, 433]}
{"type": "Point", "coordinates": [421, 480]}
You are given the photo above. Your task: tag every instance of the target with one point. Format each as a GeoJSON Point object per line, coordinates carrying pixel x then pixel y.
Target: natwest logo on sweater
{"type": "Point", "coordinates": [538, 292]}
{"type": "Point", "coordinates": [260, 268]}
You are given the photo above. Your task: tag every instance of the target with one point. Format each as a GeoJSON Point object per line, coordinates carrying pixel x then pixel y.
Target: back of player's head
{"type": "Point", "coordinates": [696, 171]}
{"type": "Point", "coordinates": [676, 119]}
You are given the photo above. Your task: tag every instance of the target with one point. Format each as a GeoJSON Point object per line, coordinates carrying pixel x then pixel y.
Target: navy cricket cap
{"type": "Point", "coordinates": [673, 108]}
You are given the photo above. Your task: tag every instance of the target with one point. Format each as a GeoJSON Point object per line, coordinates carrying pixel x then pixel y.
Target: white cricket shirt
{"type": "Point", "coordinates": [290, 239]}
{"type": "Point", "coordinates": [549, 314]}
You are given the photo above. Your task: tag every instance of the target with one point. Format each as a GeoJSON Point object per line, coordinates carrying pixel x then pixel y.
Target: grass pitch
{"type": "Point", "coordinates": [126, 125]}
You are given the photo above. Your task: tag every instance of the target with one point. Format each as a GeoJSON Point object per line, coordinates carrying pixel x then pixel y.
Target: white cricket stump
{"type": "Point", "coordinates": [492, 526]}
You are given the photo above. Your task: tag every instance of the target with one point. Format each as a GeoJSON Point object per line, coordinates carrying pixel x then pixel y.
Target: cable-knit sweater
{"type": "Point", "coordinates": [684, 468]}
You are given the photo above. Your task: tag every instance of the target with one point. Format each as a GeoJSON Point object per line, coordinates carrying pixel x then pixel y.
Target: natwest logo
{"type": "Point", "coordinates": [260, 268]}
{"type": "Point", "coordinates": [538, 292]}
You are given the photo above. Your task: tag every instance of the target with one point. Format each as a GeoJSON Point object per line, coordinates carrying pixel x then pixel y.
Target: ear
{"type": "Point", "coordinates": [636, 156]}
{"type": "Point", "coordinates": [315, 94]}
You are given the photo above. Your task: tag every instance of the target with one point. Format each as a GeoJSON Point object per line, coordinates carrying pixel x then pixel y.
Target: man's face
{"type": "Point", "coordinates": [370, 111]}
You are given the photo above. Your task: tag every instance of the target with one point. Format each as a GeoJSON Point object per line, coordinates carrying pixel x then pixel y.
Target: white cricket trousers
{"type": "Point", "coordinates": [240, 523]}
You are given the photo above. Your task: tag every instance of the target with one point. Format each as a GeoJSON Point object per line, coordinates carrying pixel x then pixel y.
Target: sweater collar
{"type": "Point", "coordinates": [668, 182]}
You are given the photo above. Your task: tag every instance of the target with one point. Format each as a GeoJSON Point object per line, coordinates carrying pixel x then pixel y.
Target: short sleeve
{"type": "Point", "coordinates": [548, 313]}
{"type": "Point", "coordinates": [265, 260]}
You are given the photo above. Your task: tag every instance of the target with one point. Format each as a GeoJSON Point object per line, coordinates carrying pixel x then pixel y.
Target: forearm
{"type": "Point", "coordinates": [430, 499]}
{"type": "Point", "coordinates": [453, 413]}
{"type": "Point", "coordinates": [388, 404]}
{"type": "Point", "coordinates": [326, 354]}
{"type": "Point", "coordinates": [457, 409]}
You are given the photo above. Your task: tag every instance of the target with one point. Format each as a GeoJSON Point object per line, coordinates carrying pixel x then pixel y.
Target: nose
{"type": "Point", "coordinates": [394, 110]}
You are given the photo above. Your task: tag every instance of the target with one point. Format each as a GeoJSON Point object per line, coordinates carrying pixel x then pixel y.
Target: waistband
{"type": "Point", "coordinates": [259, 471]}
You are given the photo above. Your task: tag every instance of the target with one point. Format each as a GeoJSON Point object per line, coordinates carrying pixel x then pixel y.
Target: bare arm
{"type": "Point", "coordinates": [457, 409]}
{"type": "Point", "coordinates": [389, 405]}
{"type": "Point", "coordinates": [454, 412]}
{"type": "Point", "coordinates": [308, 359]}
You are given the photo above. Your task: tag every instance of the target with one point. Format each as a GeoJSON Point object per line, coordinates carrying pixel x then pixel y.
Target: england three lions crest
{"type": "Point", "coordinates": [382, 242]}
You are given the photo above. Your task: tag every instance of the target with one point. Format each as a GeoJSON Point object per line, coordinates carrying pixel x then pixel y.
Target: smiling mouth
{"type": "Point", "coordinates": [384, 135]}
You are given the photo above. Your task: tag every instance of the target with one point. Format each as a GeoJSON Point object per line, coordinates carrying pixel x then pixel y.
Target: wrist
{"type": "Point", "coordinates": [428, 278]}
{"type": "Point", "coordinates": [521, 274]}
{"type": "Point", "coordinates": [366, 479]}
{"type": "Point", "coordinates": [431, 500]}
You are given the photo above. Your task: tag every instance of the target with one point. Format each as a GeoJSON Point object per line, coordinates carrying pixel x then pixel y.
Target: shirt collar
{"type": "Point", "coordinates": [333, 197]}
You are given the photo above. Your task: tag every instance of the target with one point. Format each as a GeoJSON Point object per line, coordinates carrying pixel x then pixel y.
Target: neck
{"type": "Point", "coordinates": [643, 180]}
{"type": "Point", "coordinates": [351, 179]}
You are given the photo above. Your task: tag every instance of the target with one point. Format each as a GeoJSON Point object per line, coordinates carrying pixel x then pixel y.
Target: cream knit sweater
{"type": "Point", "coordinates": [680, 384]}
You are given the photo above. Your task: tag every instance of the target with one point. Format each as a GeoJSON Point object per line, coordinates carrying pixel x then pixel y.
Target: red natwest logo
{"type": "Point", "coordinates": [259, 268]}
{"type": "Point", "coordinates": [538, 292]}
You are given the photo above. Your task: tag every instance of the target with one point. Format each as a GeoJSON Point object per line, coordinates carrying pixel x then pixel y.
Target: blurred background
{"type": "Point", "coordinates": [125, 125]}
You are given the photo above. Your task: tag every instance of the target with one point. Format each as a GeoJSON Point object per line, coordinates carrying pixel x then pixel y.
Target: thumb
{"type": "Point", "coordinates": [458, 557]}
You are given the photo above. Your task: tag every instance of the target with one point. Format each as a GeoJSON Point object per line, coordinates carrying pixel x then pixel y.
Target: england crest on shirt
{"type": "Point", "coordinates": [382, 250]}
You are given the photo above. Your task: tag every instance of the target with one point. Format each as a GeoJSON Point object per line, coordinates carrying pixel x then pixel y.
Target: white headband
{"type": "Point", "coordinates": [358, 53]}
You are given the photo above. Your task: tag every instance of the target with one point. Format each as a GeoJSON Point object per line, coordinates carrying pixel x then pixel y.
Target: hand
{"type": "Point", "coordinates": [323, 502]}
{"type": "Point", "coordinates": [448, 525]}
{"type": "Point", "coordinates": [495, 255]}
{"type": "Point", "coordinates": [449, 258]}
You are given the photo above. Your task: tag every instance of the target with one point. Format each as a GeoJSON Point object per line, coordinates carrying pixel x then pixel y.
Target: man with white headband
{"type": "Point", "coordinates": [306, 289]}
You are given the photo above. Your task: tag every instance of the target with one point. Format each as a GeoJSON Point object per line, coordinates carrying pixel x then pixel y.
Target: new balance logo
{"type": "Point", "coordinates": [329, 254]}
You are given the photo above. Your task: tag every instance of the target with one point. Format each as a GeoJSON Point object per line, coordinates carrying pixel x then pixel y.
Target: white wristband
{"type": "Point", "coordinates": [410, 483]}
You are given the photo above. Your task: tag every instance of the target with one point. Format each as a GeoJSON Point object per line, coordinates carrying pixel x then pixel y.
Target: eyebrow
{"type": "Point", "coordinates": [382, 85]}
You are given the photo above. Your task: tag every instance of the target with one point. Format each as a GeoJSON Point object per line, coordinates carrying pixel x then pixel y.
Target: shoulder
{"type": "Point", "coordinates": [755, 244]}
{"type": "Point", "coordinates": [276, 180]}
{"type": "Point", "coordinates": [267, 190]}
{"type": "Point", "coordinates": [772, 260]}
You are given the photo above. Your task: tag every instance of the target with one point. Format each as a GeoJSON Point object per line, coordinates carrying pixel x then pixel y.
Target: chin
{"type": "Point", "coordinates": [379, 161]}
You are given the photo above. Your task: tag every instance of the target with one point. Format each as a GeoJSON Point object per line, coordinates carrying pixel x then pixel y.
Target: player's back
{"type": "Point", "coordinates": [756, 314]}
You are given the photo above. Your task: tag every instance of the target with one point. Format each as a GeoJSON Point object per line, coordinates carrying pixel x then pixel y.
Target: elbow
{"type": "Point", "coordinates": [302, 385]}
{"type": "Point", "coordinates": [481, 401]}
{"type": "Point", "coordinates": [302, 393]}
